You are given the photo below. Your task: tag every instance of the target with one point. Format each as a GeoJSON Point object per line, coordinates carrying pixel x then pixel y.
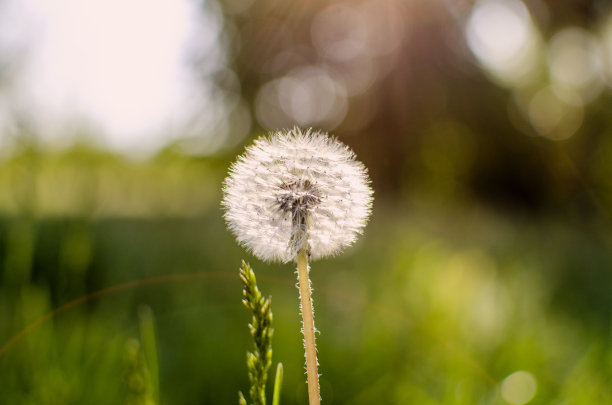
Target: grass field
{"type": "Point", "coordinates": [434, 305]}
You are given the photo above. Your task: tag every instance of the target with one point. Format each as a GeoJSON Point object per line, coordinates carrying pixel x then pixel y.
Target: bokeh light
{"type": "Point", "coordinates": [575, 62]}
{"type": "Point", "coordinates": [502, 36]}
{"type": "Point", "coordinates": [340, 33]}
{"type": "Point", "coordinates": [307, 96]}
{"type": "Point", "coordinates": [552, 116]}
{"type": "Point", "coordinates": [354, 42]}
{"type": "Point", "coordinates": [519, 387]}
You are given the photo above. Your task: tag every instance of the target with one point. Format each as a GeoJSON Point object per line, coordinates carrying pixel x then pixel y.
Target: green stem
{"type": "Point", "coordinates": [308, 328]}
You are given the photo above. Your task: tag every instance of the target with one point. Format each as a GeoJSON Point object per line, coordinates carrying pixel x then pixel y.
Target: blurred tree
{"type": "Point", "coordinates": [421, 73]}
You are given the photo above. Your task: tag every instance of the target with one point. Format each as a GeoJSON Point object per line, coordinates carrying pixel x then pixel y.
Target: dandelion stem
{"type": "Point", "coordinates": [308, 328]}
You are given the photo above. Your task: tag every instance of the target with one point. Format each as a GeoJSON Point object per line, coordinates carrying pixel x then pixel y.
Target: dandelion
{"type": "Point", "coordinates": [298, 195]}
{"type": "Point", "coordinates": [293, 190]}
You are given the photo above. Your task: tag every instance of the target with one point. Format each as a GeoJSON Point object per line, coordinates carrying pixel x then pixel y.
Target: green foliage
{"type": "Point", "coordinates": [260, 359]}
{"type": "Point", "coordinates": [278, 384]}
{"type": "Point", "coordinates": [436, 304]}
{"type": "Point", "coordinates": [142, 370]}
{"type": "Point", "coordinates": [149, 348]}
{"type": "Point", "coordinates": [137, 376]}
{"type": "Point", "coordinates": [241, 399]}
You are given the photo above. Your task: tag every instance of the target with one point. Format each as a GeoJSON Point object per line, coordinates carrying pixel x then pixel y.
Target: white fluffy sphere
{"type": "Point", "coordinates": [297, 189]}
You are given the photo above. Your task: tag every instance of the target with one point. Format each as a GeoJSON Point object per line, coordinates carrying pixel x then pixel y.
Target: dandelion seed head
{"type": "Point", "coordinates": [297, 189]}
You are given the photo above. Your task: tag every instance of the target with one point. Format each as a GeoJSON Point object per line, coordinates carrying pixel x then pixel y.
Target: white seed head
{"type": "Point", "coordinates": [297, 189]}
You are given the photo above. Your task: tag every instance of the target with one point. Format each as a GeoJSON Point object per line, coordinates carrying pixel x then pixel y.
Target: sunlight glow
{"type": "Point", "coordinates": [501, 35]}
{"type": "Point", "coordinates": [118, 67]}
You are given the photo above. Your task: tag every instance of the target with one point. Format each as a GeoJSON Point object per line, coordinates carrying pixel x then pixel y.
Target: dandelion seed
{"type": "Point", "coordinates": [297, 189]}
{"type": "Point", "coordinates": [294, 195]}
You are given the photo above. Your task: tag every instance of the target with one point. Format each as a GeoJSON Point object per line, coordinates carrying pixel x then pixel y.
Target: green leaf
{"type": "Point", "coordinates": [149, 347]}
{"type": "Point", "coordinates": [278, 384]}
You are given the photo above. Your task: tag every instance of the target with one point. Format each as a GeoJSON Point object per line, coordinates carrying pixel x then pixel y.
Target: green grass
{"type": "Point", "coordinates": [417, 312]}
{"type": "Point", "coordinates": [433, 306]}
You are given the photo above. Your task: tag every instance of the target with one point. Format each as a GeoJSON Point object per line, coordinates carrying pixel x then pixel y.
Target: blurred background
{"type": "Point", "coordinates": [484, 276]}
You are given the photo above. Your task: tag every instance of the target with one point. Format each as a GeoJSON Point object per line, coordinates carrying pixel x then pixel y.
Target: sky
{"type": "Point", "coordinates": [118, 67]}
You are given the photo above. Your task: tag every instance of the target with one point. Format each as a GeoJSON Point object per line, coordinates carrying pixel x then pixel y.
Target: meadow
{"type": "Point", "coordinates": [435, 304]}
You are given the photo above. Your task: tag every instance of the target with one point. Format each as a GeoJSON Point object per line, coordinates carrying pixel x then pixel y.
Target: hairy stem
{"type": "Point", "coordinates": [308, 328]}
